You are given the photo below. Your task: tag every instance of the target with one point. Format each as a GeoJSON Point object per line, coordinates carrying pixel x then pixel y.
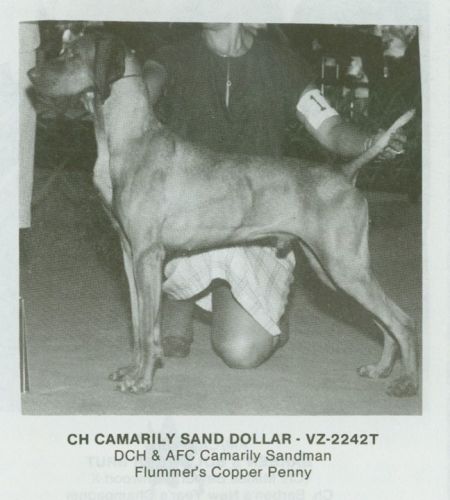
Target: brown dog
{"type": "Point", "coordinates": [167, 195]}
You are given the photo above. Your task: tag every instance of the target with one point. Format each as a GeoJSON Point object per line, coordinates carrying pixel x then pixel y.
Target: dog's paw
{"type": "Point", "coordinates": [402, 387]}
{"type": "Point", "coordinates": [374, 371]}
{"type": "Point", "coordinates": [137, 380]}
{"type": "Point", "coordinates": [135, 385]}
{"type": "Point", "coordinates": [122, 373]}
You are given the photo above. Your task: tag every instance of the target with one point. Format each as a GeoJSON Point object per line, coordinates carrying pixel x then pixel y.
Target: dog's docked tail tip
{"type": "Point", "coordinates": [404, 119]}
{"type": "Point", "coordinates": [352, 168]}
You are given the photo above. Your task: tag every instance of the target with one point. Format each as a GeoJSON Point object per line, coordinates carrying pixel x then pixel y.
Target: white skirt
{"type": "Point", "coordinates": [259, 280]}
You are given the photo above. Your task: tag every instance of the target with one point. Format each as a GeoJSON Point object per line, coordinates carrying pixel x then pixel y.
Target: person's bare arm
{"type": "Point", "coordinates": [338, 136]}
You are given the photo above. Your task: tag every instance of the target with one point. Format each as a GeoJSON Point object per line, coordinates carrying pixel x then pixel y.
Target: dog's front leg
{"type": "Point", "coordinates": [131, 370]}
{"type": "Point", "coordinates": [147, 268]}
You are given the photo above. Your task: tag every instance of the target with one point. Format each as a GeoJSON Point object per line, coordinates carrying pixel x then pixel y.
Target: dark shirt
{"type": "Point", "coordinates": [266, 84]}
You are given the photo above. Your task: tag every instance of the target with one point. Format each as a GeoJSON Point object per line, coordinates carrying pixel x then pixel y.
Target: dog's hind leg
{"type": "Point", "coordinates": [343, 251]}
{"type": "Point", "coordinates": [147, 267]}
{"type": "Point", "coordinates": [317, 267]}
{"type": "Point", "coordinates": [383, 368]}
{"type": "Point", "coordinates": [362, 286]}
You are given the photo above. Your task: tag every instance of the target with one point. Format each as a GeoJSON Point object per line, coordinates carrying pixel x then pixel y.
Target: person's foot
{"type": "Point", "coordinates": [176, 346]}
{"type": "Point", "coordinates": [176, 327]}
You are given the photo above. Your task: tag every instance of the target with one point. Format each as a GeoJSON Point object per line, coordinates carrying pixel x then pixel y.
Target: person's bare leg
{"type": "Point", "coordinates": [229, 318]}
{"type": "Point", "coordinates": [176, 327]}
{"type": "Point", "coordinates": [236, 337]}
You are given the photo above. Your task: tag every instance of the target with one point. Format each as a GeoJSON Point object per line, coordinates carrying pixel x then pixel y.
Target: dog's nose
{"type": "Point", "coordinates": [32, 74]}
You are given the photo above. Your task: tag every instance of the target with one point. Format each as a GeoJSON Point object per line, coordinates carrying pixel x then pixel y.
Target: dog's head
{"type": "Point", "coordinates": [91, 62]}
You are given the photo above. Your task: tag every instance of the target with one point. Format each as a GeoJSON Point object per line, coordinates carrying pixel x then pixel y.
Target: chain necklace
{"type": "Point", "coordinates": [227, 85]}
{"type": "Point", "coordinates": [243, 49]}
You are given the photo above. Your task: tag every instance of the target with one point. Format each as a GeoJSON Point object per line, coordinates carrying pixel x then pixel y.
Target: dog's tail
{"type": "Point", "coordinates": [352, 168]}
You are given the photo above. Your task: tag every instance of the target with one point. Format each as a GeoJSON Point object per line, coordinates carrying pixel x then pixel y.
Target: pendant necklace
{"type": "Point", "coordinates": [227, 85]}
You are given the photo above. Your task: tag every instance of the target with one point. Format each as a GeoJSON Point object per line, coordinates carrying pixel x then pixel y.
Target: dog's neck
{"type": "Point", "coordinates": [127, 114]}
{"type": "Point", "coordinates": [122, 123]}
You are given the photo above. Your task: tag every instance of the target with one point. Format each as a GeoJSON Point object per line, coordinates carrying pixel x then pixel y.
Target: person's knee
{"type": "Point", "coordinates": [236, 337]}
{"type": "Point", "coordinates": [239, 351]}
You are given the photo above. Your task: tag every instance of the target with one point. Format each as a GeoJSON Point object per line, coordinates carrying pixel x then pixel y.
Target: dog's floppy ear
{"type": "Point", "coordinates": [109, 63]}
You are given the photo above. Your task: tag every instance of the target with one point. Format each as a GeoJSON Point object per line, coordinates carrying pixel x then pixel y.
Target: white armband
{"type": "Point", "coordinates": [315, 108]}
